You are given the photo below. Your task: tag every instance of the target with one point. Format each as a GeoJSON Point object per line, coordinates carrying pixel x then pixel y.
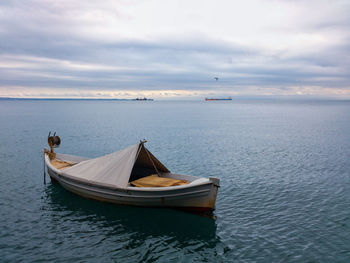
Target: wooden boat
{"type": "Point", "coordinates": [133, 176]}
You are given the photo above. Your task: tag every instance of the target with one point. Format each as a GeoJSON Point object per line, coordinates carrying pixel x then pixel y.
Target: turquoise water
{"type": "Point", "coordinates": [284, 170]}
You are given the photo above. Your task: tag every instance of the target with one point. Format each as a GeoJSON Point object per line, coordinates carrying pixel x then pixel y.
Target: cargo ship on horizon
{"type": "Point", "coordinates": [143, 99]}
{"type": "Point", "coordinates": [210, 99]}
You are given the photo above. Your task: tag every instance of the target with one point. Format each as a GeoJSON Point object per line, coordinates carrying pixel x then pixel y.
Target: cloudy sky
{"type": "Point", "coordinates": [174, 49]}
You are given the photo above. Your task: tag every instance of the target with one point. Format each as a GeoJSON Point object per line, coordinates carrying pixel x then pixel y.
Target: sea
{"type": "Point", "coordinates": [284, 169]}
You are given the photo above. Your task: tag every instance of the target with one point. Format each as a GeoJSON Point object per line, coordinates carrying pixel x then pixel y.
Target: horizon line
{"type": "Point", "coordinates": [261, 97]}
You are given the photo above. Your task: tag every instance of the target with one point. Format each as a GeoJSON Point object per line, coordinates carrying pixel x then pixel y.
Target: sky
{"type": "Point", "coordinates": [174, 49]}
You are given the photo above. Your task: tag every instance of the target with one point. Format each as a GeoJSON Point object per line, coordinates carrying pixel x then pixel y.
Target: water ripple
{"type": "Point", "coordinates": [284, 171]}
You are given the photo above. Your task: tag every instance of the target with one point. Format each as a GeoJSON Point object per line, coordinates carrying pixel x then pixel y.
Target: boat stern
{"type": "Point", "coordinates": [215, 181]}
{"type": "Point", "coordinates": [214, 192]}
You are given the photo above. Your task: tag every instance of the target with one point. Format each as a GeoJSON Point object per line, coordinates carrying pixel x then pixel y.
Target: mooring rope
{"type": "Point", "coordinates": [44, 169]}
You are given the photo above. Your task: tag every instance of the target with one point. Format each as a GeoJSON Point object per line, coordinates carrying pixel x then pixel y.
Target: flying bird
{"type": "Point", "coordinates": [216, 78]}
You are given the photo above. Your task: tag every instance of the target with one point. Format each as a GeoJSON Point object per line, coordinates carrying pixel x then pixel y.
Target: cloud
{"type": "Point", "coordinates": [174, 48]}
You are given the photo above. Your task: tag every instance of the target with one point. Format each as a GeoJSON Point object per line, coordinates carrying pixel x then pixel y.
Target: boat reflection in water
{"type": "Point", "coordinates": [110, 219]}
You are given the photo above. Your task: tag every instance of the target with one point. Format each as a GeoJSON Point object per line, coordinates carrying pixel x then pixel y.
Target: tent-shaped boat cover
{"type": "Point", "coordinates": [118, 168]}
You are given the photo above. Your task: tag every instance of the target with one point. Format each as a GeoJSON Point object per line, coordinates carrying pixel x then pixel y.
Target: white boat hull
{"type": "Point", "coordinates": [199, 195]}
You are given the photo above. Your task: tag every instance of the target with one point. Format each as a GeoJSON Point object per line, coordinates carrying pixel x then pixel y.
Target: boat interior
{"type": "Point", "coordinates": [144, 173]}
{"type": "Point", "coordinates": [60, 165]}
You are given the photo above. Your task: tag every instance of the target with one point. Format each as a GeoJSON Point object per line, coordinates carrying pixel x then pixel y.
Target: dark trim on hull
{"type": "Point", "coordinates": [182, 208]}
{"type": "Point", "coordinates": [53, 180]}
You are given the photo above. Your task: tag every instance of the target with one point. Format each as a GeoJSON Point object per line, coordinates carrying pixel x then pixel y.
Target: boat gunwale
{"type": "Point", "coordinates": [128, 188]}
{"type": "Point", "coordinates": [97, 189]}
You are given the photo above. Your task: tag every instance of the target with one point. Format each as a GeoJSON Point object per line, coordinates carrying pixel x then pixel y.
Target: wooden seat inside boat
{"type": "Point", "coordinates": [156, 181]}
{"type": "Point", "coordinates": [59, 164]}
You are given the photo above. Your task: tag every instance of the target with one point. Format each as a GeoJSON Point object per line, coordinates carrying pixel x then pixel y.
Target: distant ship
{"type": "Point", "coordinates": [143, 99]}
{"type": "Point", "coordinates": [210, 99]}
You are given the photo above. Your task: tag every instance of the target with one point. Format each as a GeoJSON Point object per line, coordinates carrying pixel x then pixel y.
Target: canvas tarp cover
{"type": "Point", "coordinates": [114, 169]}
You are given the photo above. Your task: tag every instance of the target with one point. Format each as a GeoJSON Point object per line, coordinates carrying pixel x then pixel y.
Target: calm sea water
{"type": "Point", "coordinates": [284, 170]}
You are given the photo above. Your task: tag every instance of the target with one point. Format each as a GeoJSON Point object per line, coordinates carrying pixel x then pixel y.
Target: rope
{"type": "Point", "coordinates": [44, 169]}
{"type": "Point", "coordinates": [152, 161]}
